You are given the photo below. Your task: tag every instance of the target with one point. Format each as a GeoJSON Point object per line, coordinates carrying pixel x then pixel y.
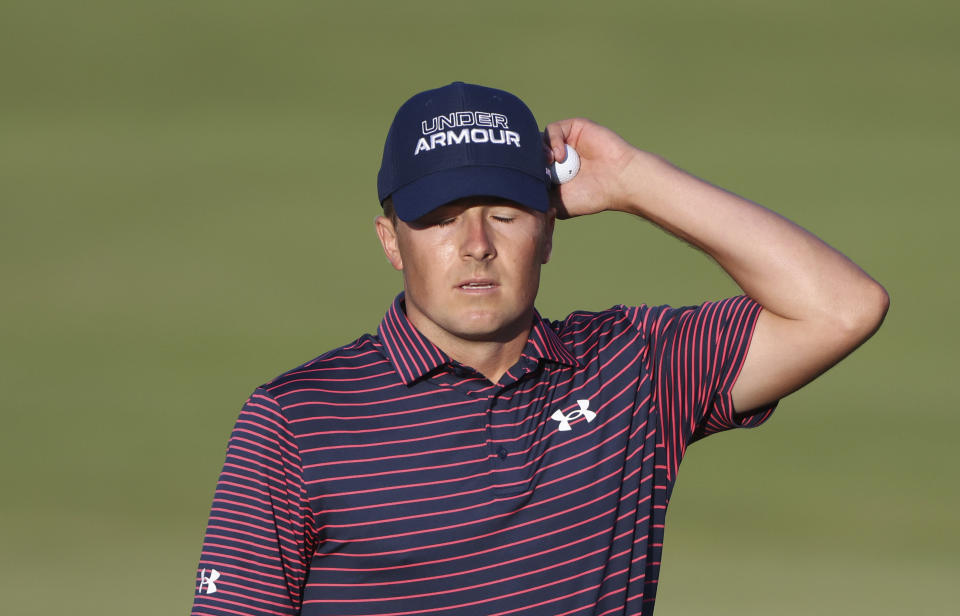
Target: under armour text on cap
{"type": "Point", "coordinates": [462, 140]}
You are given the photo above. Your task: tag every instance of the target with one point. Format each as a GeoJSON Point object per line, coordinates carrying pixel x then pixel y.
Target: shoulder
{"type": "Point", "coordinates": [343, 364]}
{"type": "Point", "coordinates": [587, 333]}
{"type": "Point", "coordinates": [582, 323]}
{"type": "Point", "coordinates": [643, 323]}
{"type": "Point", "coordinates": [657, 319]}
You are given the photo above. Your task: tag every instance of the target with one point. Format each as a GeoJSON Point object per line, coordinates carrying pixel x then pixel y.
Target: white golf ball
{"type": "Point", "coordinates": [561, 173]}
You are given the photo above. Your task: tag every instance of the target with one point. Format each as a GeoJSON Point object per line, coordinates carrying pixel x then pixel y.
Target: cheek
{"type": "Point", "coordinates": [425, 263]}
{"type": "Point", "coordinates": [528, 264]}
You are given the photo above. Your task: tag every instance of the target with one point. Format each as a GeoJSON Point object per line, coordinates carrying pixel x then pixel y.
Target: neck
{"type": "Point", "coordinates": [491, 359]}
{"type": "Point", "coordinates": [491, 355]}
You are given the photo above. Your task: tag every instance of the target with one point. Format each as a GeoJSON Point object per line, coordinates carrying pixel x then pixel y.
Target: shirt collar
{"type": "Point", "coordinates": [413, 356]}
{"type": "Point", "coordinates": [544, 343]}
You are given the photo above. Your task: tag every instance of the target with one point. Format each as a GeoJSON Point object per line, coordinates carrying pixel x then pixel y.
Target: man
{"type": "Point", "coordinates": [475, 458]}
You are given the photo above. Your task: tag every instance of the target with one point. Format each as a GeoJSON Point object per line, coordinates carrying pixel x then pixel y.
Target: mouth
{"type": "Point", "coordinates": [477, 285]}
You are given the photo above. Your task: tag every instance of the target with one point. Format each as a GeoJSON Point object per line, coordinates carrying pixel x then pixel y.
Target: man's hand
{"type": "Point", "coordinates": [818, 306]}
{"type": "Point", "coordinates": [604, 160]}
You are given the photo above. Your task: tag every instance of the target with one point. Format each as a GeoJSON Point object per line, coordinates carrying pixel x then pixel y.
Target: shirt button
{"type": "Point", "coordinates": [502, 453]}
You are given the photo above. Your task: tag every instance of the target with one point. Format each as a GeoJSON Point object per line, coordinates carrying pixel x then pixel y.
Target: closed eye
{"type": "Point", "coordinates": [504, 218]}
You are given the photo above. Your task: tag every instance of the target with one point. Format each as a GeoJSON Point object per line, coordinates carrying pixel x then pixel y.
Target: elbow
{"type": "Point", "coordinates": [866, 312]}
{"type": "Point", "coordinates": [876, 305]}
{"type": "Point", "coordinates": [883, 304]}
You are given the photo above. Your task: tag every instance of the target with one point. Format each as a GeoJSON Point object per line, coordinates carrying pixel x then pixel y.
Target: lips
{"type": "Point", "coordinates": [481, 284]}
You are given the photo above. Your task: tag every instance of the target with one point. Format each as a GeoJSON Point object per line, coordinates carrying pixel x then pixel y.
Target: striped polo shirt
{"type": "Point", "coordinates": [385, 478]}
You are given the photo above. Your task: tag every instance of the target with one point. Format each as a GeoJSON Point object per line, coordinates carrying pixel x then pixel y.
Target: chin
{"type": "Point", "coordinates": [488, 327]}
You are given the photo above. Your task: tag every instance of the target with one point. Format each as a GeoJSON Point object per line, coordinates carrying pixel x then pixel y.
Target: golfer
{"type": "Point", "coordinates": [474, 457]}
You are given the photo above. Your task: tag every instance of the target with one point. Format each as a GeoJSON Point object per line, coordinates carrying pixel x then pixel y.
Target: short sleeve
{"type": "Point", "coordinates": [259, 537]}
{"type": "Point", "coordinates": [695, 356]}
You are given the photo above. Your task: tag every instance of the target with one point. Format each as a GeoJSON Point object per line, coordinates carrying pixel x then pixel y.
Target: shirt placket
{"type": "Point", "coordinates": [509, 474]}
{"type": "Point", "coordinates": [511, 468]}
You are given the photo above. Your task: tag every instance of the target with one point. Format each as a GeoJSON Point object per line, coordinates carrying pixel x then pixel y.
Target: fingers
{"type": "Point", "coordinates": [555, 141]}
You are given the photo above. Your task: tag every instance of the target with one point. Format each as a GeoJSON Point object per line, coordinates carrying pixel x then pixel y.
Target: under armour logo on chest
{"type": "Point", "coordinates": [565, 420]}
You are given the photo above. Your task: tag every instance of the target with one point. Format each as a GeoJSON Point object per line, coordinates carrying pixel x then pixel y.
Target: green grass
{"type": "Point", "coordinates": [187, 195]}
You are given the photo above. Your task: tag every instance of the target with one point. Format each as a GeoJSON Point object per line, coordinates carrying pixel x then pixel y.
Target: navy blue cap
{"type": "Point", "coordinates": [462, 140]}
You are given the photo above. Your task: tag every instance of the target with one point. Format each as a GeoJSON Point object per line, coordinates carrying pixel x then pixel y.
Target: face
{"type": "Point", "coordinates": [471, 268]}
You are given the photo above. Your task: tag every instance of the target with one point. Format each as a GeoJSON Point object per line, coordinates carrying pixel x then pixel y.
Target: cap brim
{"type": "Point", "coordinates": [430, 192]}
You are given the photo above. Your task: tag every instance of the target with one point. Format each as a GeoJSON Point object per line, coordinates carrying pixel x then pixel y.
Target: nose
{"type": "Point", "coordinates": [477, 242]}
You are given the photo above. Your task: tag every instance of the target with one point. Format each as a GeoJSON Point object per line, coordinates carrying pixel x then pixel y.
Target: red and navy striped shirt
{"type": "Point", "coordinates": [385, 478]}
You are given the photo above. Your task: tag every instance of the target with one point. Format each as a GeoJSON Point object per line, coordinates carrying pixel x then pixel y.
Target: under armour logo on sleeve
{"type": "Point", "coordinates": [565, 420]}
{"type": "Point", "coordinates": [209, 581]}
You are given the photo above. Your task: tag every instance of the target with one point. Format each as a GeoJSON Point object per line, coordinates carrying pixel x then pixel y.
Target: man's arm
{"type": "Point", "coordinates": [818, 306]}
{"type": "Point", "coordinates": [261, 533]}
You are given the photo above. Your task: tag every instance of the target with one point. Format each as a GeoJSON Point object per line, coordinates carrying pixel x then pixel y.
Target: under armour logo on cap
{"type": "Point", "coordinates": [462, 140]}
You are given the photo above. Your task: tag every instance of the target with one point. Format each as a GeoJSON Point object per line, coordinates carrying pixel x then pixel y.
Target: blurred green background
{"type": "Point", "coordinates": [187, 193]}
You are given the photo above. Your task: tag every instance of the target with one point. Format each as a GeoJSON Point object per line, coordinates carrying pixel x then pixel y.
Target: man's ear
{"type": "Point", "coordinates": [387, 233]}
{"type": "Point", "coordinates": [548, 234]}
